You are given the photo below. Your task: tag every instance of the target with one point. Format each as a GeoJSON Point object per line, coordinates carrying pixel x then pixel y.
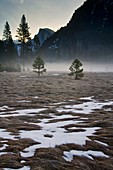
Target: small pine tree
{"type": "Point", "coordinates": [75, 69]}
{"type": "Point", "coordinates": [38, 66]}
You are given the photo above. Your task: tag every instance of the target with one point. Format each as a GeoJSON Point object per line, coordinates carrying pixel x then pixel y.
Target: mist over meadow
{"type": "Point", "coordinates": [87, 66]}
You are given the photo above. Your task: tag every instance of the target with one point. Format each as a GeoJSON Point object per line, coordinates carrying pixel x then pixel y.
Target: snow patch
{"type": "Point", "coordinates": [25, 112]}
{"type": "Point", "coordinates": [23, 168]}
{"type": "Point", "coordinates": [68, 156]}
{"type": "Point", "coordinates": [85, 107]}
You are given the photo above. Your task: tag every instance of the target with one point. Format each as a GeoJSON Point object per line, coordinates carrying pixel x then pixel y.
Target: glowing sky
{"type": "Point", "coordinates": [51, 14]}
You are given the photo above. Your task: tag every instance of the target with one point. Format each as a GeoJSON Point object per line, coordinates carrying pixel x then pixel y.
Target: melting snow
{"type": "Point", "coordinates": [60, 135]}
{"type": "Point", "coordinates": [56, 130]}
{"type": "Point", "coordinates": [5, 108]}
{"type": "Point", "coordinates": [24, 168]}
{"type": "Point", "coordinates": [5, 135]}
{"type": "Point", "coordinates": [35, 97]}
{"type": "Point", "coordinates": [3, 147]}
{"type": "Point", "coordinates": [24, 101]}
{"type": "Point", "coordinates": [84, 108]}
{"type": "Point", "coordinates": [68, 156]}
{"type": "Point", "coordinates": [105, 144]}
{"type": "Point", "coordinates": [25, 112]}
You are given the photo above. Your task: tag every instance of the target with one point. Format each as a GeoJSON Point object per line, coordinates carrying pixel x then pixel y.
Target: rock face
{"type": "Point", "coordinates": [44, 33]}
{"type": "Point", "coordinates": [88, 35]}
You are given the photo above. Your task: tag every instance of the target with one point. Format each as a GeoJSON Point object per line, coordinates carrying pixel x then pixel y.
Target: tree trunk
{"type": "Point", "coordinates": [38, 72]}
{"type": "Point", "coordinates": [76, 76]}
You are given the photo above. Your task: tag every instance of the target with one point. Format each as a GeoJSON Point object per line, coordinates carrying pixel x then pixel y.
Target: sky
{"type": "Point", "coordinates": [52, 14]}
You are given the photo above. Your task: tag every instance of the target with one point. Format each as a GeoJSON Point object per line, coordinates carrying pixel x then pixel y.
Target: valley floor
{"type": "Point", "coordinates": [54, 122]}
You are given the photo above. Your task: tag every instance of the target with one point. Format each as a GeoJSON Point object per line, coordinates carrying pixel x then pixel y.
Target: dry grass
{"type": "Point", "coordinates": [16, 87]}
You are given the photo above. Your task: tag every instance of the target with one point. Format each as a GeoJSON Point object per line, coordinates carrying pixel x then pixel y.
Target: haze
{"type": "Point", "coordinates": [51, 14]}
{"type": "Point", "coordinates": [58, 67]}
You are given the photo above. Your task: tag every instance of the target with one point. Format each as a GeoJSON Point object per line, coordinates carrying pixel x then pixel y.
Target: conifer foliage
{"type": "Point", "coordinates": [23, 36]}
{"type": "Point", "coordinates": [23, 33]}
{"type": "Point", "coordinates": [8, 52]}
{"type": "Point", "coordinates": [7, 33]}
{"type": "Point", "coordinates": [38, 66]}
{"type": "Point", "coordinates": [76, 70]}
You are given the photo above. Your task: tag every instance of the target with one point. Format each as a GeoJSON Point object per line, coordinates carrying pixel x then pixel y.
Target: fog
{"type": "Point", "coordinates": [64, 67]}
{"type": "Point", "coordinates": [88, 67]}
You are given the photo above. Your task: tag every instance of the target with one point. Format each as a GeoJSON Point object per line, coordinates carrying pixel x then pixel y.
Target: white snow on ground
{"type": "Point", "coordinates": [35, 97]}
{"type": "Point", "coordinates": [54, 117]}
{"type": "Point", "coordinates": [58, 103]}
{"type": "Point", "coordinates": [24, 168]}
{"type": "Point", "coordinates": [5, 135]}
{"type": "Point", "coordinates": [3, 147]}
{"type": "Point", "coordinates": [24, 101]}
{"type": "Point", "coordinates": [85, 107]}
{"type": "Point", "coordinates": [25, 112]}
{"type": "Point", "coordinates": [68, 156]}
{"type": "Point", "coordinates": [3, 108]}
{"type": "Point", "coordinates": [58, 134]}
{"type": "Point", "coordinates": [102, 143]}
{"type": "Point", "coordinates": [3, 153]}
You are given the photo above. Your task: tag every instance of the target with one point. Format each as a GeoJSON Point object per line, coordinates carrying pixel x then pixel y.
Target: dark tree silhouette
{"type": "Point", "coordinates": [36, 43]}
{"type": "Point", "coordinates": [23, 36]}
{"type": "Point", "coordinates": [75, 69]}
{"type": "Point", "coordinates": [7, 33]}
{"type": "Point", "coordinates": [9, 57]}
{"type": "Point", "coordinates": [38, 66]}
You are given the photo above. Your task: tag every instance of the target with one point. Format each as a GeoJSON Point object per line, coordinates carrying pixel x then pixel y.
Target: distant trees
{"type": "Point", "coordinates": [36, 43]}
{"type": "Point", "coordinates": [2, 51]}
{"type": "Point", "coordinates": [9, 53]}
{"type": "Point", "coordinates": [23, 36]}
{"type": "Point", "coordinates": [8, 42]}
{"type": "Point", "coordinates": [38, 66]}
{"type": "Point", "coordinates": [76, 70]}
{"type": "Point", "coordinates": [27, 49]}
{"type": "Point", "coordinates": [1, 68]}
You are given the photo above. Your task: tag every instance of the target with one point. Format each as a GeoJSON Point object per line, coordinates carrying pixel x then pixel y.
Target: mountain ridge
{"type": "Point", "coordinates": [88, 35]}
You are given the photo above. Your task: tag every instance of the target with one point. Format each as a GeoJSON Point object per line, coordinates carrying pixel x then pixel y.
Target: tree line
{"type": "Point", "coordinates": [13, 57]}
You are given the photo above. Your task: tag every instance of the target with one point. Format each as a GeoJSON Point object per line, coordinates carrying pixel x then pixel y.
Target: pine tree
{"type": "Point", "coordinates": [10, 53]}
{"type": "Point", "coordinates": [2, 51]}
{"type": "Point", "coordinates": [1, 68]}
{"type": "Point", "coordinates": [7, 33]}
{"type": "Point", "coordinates": [75, 69]}
{"type": "Point", "coordinates": [23, 36]}
{"type": "Point", "coordinates": [38, 66]}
